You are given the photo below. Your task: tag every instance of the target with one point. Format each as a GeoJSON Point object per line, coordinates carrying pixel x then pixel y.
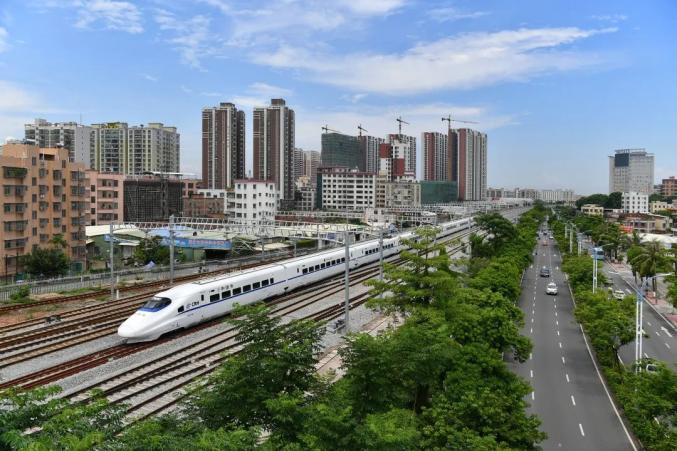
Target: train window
{"type": "Point", "coordinates": [247, 288]}
{"type": "Point", "coordinates": [256, 285]}
{"type": "Point", "coordinates": [202, 297]}
{"type": "Point", "coordinates": [333, 262]}
{"type": "Point", "coordinates": [225, 294]}
{"type": "Point", "coordinates": [180, 309]}
{"type": "Point", "coordinates": [155, 304]}
{"type": "Point", "coordinates": [322, 266]}
{"type": "Point", "coordinates": [264, 283]}
{"type": "Point", "coordinates": [237, 291]}
{"type": "Point", "coordinates": [214, 297]}
{"type": "Point", "coordinates": [272, 281]}
{"type": "Point", "coordinates": [305, 270]}
{"type": "Point", "coordinates": [317, 267]}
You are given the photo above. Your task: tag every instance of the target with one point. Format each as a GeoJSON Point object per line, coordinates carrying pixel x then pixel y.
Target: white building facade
{"type": "Point", "coordinates": [557, 195]}
{"type": "Point", "coordinates": [631, 170]}
{"type": "Point", "coordinates": [345, 189]}
{"type": "Point", "coordinates": [633, 202]}
{"type": "Point", "coordinates": [69, 135]}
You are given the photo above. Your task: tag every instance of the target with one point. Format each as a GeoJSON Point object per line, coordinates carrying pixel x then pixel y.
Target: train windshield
{"type": "Point", "coordinates": [155, 304]}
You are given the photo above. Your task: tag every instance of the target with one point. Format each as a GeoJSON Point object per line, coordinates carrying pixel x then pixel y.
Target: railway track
{"type": "Point", "coordinates": [74, 366]}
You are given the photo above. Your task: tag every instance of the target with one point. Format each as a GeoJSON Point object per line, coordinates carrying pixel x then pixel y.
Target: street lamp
{"type": "Point", "coordinates": [639, 318]}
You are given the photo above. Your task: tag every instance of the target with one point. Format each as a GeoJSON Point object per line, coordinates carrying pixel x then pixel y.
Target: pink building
{"type": "Point", "coordinates": [106, 197]}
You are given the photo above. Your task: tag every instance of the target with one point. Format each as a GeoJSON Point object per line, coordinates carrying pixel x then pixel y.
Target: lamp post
{"type": "Point", "coordinates": [639, 319]}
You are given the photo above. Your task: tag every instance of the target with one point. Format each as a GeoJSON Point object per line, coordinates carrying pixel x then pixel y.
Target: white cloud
{"type": "Point", "coordinates": [611, 18]}
{"type": "Point", "coordinates": [114, 15]}
{"type": "Point", "coordinates": [3, 40]}
{"type": "Point", "coordinates": [369, 7]}
{"type": "Point", "coordinates": [149, 77]}
{"type": "Point", "coordinates": [465, 61]}
{"type": "Point", "coordinates": [266, 90]}
{"type": "Point", "coordinates": [211, 94]}
{"type": "Point", "coordinates": [449, 13]}
{"type": "Point", "coordinates": [191, 37]}
{"type": "Point", "coordinates": [15, 99]}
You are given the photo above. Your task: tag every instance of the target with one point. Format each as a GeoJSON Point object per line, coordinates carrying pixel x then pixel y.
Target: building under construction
{"type": "Point", "coordinates": [152, 198]}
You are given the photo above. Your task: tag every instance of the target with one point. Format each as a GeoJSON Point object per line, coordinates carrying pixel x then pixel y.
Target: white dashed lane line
{"type": "Point", "coordinates": [667, 345]}
{"type": "Point", "coordinates": [560, 345]}
{"type": "Point", "coordinates": [558, 333]}
{"type": "Point", "coordinates": [666, 331]}
{"type": "Point", "coordinates": [533, 396]}
{"type": "Point", "coordinates": [573, 401]}
{"type": "Point", "coordinates": [580, 426]}
{"type": "Point", "coordinates": [567, 376]}
{"type": "Point", "coordinates": [531, 373]}
{"type": "Point", "coordinates": [563, 361]}
{"type": "Point", "coordinates": [649, 323]}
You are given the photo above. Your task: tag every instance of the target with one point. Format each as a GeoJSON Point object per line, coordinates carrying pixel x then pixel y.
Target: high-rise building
{"type": "Point", "coordinates": [311, 161]}
{"type": "Point", "coordinates": [633, 202]}
{"type": "Point", "coordinates": [151, 198]}
{"type": "Point", "coordinates": [392, 165]}
{"type": "Point", "coordinates": [106, 197]}
{"type": "Point", "coordinates": [223, 146]}
{"type": "Point", "coordinates": [339, 150]}
{"type": "Point", "coordinates": [340, 188]}
{"type": "Point", "coordinates": [631, 170]}
{"type": "Point", "coordinates": [369, 147]}
{"type": "Point", "coordinates": [435, 156]}
{"type": "Point", "coordinates": [669, 187]}
{"type": "Point", "coordinates": [69, 135]}
{"type": "Point", "coordinates": [135, 150]}
{"type": "Point", "coordinates": [469, 163]}
{"type": "Point", "coordinates": [407, 144]}
{"type": "Point", "coordinates": [44, 195]}
{"type": "Point", "coordinates": [274, 137]}
{"type": "Point", "coordinates": [299, 163]}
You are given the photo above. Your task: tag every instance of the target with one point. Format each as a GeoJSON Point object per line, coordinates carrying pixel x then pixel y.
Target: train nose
{"type": "Point", "coordinates": [132, 327]}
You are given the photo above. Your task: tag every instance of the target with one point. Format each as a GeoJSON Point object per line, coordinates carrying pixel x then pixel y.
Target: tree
{"type": "Point", "coordinates": [270, 374]}
{"type": "Point", "coordinates": [655, 197]}
{"type": "Point", "coordinates": [58, 241]}
{"type": "Point", "coordinates": [614, 200]}
{"type": "Point", "coordinates": [50, 262]}
{"type": "Point", "coordinates": [597, 199]}
{"type": "Point", "coordinates": [499, 230]}
{"type": "Point", "coordinates": [649, 259]}
{"type": "Point", "coordinates": [151, 249]}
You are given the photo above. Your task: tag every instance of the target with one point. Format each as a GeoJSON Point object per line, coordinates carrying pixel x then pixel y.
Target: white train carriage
{"type": "Point", "coordinates": [189, 304]}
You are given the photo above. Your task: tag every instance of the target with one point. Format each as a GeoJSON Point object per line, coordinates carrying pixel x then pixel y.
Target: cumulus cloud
{"type": "Point", "coordinates": [190, 37]}
{"type": "Point", "coordinates": [449, 13]}
{"type": "Point", "coordinates": [464, 61]}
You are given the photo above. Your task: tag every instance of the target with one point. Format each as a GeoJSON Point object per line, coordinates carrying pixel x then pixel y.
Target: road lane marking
{"type": "Point", "coordinates": [531, 355]}
{"type": "Point", "coordinates": [649, 323]}
{"type": "Point", "coordinates": [657, 333]}
{"type": "Point", "coordinates": [665, 330]}
{"type": "Point", "coordinates": [667, 345]}
{"type": "Point", "coordinates": [557, 322]}
{"type": "Point", "coordinates": [629, 292]}
{"type": "Point", "coordinates": [533, 396]}
{"type": "Point", "coordinates": [563, 360]}
{"type": "Point", "coordinates": [567, 375]}
{"type": "Point", "coordinates": [606, 390]}
{"type": "Point", "coordinates": [531, 373]}
{"type": "Point", "coordinates": [532, 311]}
{"type": "Point", "coordinates": [531, 331]}
{"type": "Point", "coordinates": [532, 320]}
{"type": "Point", "coordinates": [573, 401]}
{"type": "Point", "coordinates": [558, 333]}
{"type": "Point", "coordinates": [646, 355]}
{"type": "Point", "coordinates": [580, 426]}
{"type": "Point", "coordinates": [560, 345]}
{"type": "Point", "coordinates": [555, 313]}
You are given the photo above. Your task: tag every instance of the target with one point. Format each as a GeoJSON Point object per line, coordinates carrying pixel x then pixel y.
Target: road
{"type": "Point", "coordinates": [660, 340]}
{"type": "Point", "coordinates": [568, 393]}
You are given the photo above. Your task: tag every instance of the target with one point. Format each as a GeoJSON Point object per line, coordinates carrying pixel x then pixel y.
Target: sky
{"type": "Point", "coordinates": [556, 85]}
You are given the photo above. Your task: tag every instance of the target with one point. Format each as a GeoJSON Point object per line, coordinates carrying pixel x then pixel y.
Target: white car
{"type": "Point", "coordinates": [551, 288]}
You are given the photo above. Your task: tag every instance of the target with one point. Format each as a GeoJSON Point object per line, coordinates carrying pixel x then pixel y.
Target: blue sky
{"type": "Point", "coordinates": [557, 85]}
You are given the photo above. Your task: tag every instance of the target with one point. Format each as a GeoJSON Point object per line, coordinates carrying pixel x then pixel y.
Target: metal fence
{"type": "Point", "coordinates": [136, 274]}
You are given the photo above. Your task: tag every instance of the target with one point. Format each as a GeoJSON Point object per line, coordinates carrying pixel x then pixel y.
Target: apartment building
{"type": "Point", "coordinates": [369, 149]}
{"type": "Point", "coordinates": [200, 206]}
{"type": "Point", "coordinates": [191, 187]}
{"type": "Point", "coordinates": [274, 137]}
{"type": "Point", "coordinates": [44, 194]}
{"type": "Point", "coordinates": [435, 156]}
{"type": "Point", "coordinates": [345, 189]}
{"type": "Point", "coordinates": [402, 194]}
{"type": "Point", "coordinates": [669, 187]}
{"type": "Point", "coordinates": [592, 210]}
{"type": "Point", "coordinates": [69, 135]}
{"type": "Point", "coordinates": [151, 198]}
{"type": "Point", "coordinates": [117, 147]}
{"type": "Point", "coordinates": [223, 146]}
{"type": "Point", "coordinates": [106, 194]}
{"type": "Point", "coordinates": [557, 195]}
{"type": "Point", "coordinates": [469, 163]}
{"type": "Point", "coordinates": [339, 150]}
{"type": "Point", "coordinates": [405, 147]}
{"type": "Point", "coordinates": [633, 202]}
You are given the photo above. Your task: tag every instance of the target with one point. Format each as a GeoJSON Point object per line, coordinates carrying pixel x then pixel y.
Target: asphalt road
{"type": "Point", "coordinates": [568, 393]}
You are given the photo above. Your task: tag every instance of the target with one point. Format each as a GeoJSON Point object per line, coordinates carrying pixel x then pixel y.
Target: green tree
{"type": "Point", "coordinates": [597, 199]}
{"type": "Point", "coordinates": [655, 198]}
{"type": "Point", "coordinates": [499, 231]}
{"type": "Point", "coordinates": [151, 249]}
{"type": "Point", "coordinates": [273, 370]}
{"type": "Point", "coordinates": [649, 259]}
{"type": "Point", "coordinates": [50, 262]}
{"type": "Point", "coordinates": [614, 200]}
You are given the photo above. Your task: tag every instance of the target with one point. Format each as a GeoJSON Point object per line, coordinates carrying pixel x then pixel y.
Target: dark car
{"type": "Point", "coordinates": [545, 272]}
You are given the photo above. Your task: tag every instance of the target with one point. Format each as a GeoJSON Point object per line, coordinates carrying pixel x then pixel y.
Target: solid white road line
{"type": "Point", "coordinates": [567, 375]}
{"type": "Point", "coordinates": [580, 426]}
{"type": "Point", "coordinates": [573, 401]}
{"type": "Point", "coordinates": [606, 390]}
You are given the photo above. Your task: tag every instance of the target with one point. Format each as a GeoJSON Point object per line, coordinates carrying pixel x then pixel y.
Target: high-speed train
{"type": "Point", "coordinates": [192, 303]}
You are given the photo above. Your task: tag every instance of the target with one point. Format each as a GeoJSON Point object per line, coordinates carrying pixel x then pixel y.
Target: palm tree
{"type": "Point", "coordinates": [649, 259]}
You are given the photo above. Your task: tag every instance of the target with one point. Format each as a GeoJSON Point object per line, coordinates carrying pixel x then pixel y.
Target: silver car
{"type": "Point", "coordinates": [551, 288]}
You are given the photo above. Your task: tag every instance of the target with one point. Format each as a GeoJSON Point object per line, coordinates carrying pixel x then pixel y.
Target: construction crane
{"type": "Point", "coordinates": [362, 129]}
{"type": "Point", "coordinates": [401, 121]}
{"type": "Point", "coordinates": [326, 129]}
{"type": "Point", "coordinates": [450, 120]}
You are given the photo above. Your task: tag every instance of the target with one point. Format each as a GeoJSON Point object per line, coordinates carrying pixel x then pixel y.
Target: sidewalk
{"type": "Point", "coordinates": [661, 305]}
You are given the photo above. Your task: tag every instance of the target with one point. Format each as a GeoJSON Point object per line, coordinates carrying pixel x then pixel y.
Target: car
{"type": "Point", "coordinates": [551, 288]}
{"type": "Point", "coordinates": [545, 271]}
{"type": "Point", "coordinates": [619, 294]}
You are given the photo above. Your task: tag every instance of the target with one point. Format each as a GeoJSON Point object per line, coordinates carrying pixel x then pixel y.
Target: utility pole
{"type": "Point", "coordinates": [380, 250]}
{"type": "Point", "coordinates": [594, 270]}
{"type": "Point", "coordinates": [171, 249]}
{"type": "Point", "coordinates": [571, 240]}
{"type": "Point", "coordinates": [112, 270]}
{"type": "Point", "coordinates": [346, 290]}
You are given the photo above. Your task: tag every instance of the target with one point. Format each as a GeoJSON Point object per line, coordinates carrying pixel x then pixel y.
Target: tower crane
{"type": "Point", "coordinates": [450, 120]}
{"type": "Point", "coordinates": [362, 129]}
{"type": "Point", "coordinates": [326, 129]}
{"type": "Point", "coordinates": [400, 122]}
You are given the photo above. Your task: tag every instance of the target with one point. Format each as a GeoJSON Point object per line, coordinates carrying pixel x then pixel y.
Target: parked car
{"type": "Point", "coordinates": [545, 271]}
{"type": "Point", "coordinates": [551, 288]}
